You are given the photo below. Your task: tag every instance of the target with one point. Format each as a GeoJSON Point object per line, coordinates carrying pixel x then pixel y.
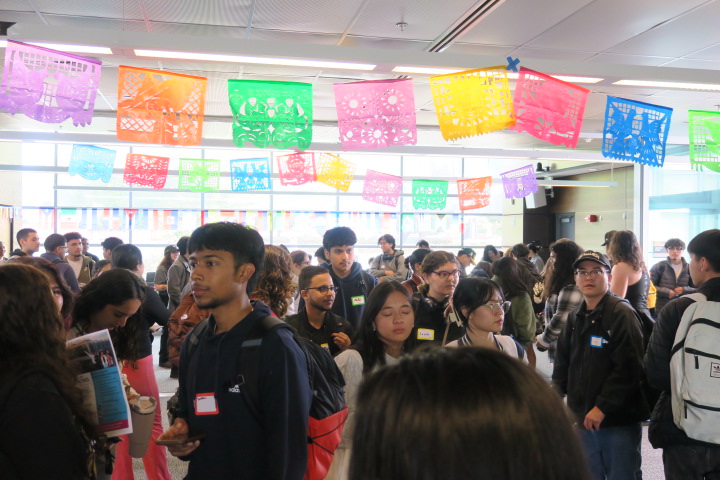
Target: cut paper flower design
{"type": "Point", "coordinates": [704, 140]}
{"type": "Point", "coordinates": [548, 108]}
{"type": "Point", "coordinates": [335, 172]}
{"type": "Point", "coordinates": [199, 175]}
{"type": "Point", "coordinates": [250, 174]}
{"type": "Point", "coordinates": [474, 192]}
{"type": "Point", "coordinates": [155, 106]}
{"type": "Point", "coordinates": [268, 113]}
{"type": "Point", "coordinates": [520, 183]}
{"type": "Point", "coordinates": [473, 102]}
{"type": "Point", "coordinates": [429, 194]}
{"type": "Point", "coordinates": [382, 188]}
{"type": "Point", "coordinates": [47, 85]}
{"type": "Point", "coordinates": [297, 168]}
{"type": "Point", "coordinates": [636, 131]}
{"type": "Point", "coordinates": [376, 113]}
{"type": "Point", "coordinates": [92, 163]}
{"type": "Point", "coordinates": [146, 170]}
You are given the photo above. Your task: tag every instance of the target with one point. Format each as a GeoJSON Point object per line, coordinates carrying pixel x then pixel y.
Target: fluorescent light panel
{"type": "Point", "coordinates": [686, 86]}
{"type": "Point", "coordinates": [290, 62]}
{"type": "Point", "coordinates": [68, 48]}
{"type": "Point", "coordinates": [427, 70]}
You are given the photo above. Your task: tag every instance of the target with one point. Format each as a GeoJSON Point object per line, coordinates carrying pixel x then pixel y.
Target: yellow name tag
{"type": "Point", "coordinates": [425, 334]}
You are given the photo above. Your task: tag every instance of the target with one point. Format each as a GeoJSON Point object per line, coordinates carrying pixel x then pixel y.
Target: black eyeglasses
{"type": "Point", "coordinates": [324, 289]}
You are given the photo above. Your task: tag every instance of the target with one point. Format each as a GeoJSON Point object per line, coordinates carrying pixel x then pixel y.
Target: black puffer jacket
{"type": "Point", "coordinates": [431, 321]}
{"type": "Point", "coordinates": [663, 276]}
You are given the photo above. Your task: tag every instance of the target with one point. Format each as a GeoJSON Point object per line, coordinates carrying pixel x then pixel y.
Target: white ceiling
{"type": "Point", "coordinates": [613, 39]}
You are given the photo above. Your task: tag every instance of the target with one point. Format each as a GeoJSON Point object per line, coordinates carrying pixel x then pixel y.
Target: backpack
{"type": "Point", "coordinates": [695, 371]}
{"type": "Point", "coordinates": [328, 411]}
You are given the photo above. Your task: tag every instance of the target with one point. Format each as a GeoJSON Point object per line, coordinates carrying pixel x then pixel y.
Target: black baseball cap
{"type": "Point", "coordinates": [608, 237]}
{"type": "Point", "coordinates": [592, 256]}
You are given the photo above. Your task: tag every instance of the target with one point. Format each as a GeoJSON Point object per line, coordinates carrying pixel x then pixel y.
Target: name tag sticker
{"type": "Point", "coordinates": [425, 334]}
{"type": "Point", "coordinates": [359, 300]}
{"type": "Point", "coordinates": [205, 404]}
{"type": "Point", "coordinates": [597, 342]}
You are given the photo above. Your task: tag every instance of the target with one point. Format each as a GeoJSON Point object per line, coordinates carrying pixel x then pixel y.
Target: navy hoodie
{"type": "Point", "coordinates": [237, 444]}
{"type": "Point", "coordinates": [353, 294]}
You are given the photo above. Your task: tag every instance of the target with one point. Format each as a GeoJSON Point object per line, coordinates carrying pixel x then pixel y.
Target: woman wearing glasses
{"type": "Point", "coordinates": [383, 336]}
{"type": "Point", "coordinates": [435, 321]}
{"type": "Point", "coordinates": [481, 307]}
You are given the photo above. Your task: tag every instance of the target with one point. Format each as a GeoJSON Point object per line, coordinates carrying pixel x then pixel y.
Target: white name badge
{"type": "Point", "coordinates": [597, 342]}
{"type": "Point", "coordinates": [425, 334]}
{"type": "Point", "coordinates": [205, 404]}
{"type": "Point", "coordinates": [359, 300]}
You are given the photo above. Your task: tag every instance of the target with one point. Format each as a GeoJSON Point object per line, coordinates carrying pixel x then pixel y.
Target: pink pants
{"type": "Point", "coordinates": [142, 379]}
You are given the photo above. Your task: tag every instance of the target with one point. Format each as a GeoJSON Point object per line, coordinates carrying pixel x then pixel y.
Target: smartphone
{"type": "Point", "coordinates": [180, 439]}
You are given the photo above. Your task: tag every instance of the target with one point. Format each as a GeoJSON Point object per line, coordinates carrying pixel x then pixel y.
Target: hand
{"type": "Point", "coordinates": [341, 340]}
{"type": "Point", "coordinates": [540, 345]}
{"type": "Point", "coordinates": [671, 294]}
{"type": "Point", "coordinates": [593, 419]}
{"type": "Point", "coordinates": [389, 273]}
{"type": "Point", "coordinates": [678, 290]}
{"type": "Point", "coordinates": [179, 427]}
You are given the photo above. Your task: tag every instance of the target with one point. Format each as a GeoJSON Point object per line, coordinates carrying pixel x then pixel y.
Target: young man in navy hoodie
{"type": "Point", "coordinates": [354, 284]}
{"type": "Point", "coordinates": [225, 260]}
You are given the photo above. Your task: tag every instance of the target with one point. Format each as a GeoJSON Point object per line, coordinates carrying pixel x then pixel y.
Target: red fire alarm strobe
{"type": "Point", "coordinates": [591, 218]}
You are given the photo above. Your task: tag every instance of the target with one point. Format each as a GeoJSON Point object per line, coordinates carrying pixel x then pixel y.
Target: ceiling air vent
{"type": "Point", "coordinates": [463, 25]}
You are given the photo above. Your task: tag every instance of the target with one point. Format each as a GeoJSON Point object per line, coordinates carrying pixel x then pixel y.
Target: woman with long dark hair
{"type": "Point", "coordinates": [113, 301]}
{"type": "Point", "coordinates": [383, 336]}
{"type": "Point", "coordinates": [45, 431]}
{"type": "Point", "coordinates": [630, 278]}
{"type": "Point", "coordinates": [522, 325]}
{"type": "Point", "coordinates": [463, 414]}
{"type": "Point", "coordinates": [436, 323]}
{"type": "Point", "coordinates": [562, 296]}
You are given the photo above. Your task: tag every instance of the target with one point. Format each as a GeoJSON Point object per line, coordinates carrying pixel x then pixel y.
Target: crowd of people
{"type": "Point", "coordinates": [436, 350]}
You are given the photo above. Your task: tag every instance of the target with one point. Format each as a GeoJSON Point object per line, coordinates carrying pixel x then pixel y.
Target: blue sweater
{"type": "Point", "coordinates": [238, 445]}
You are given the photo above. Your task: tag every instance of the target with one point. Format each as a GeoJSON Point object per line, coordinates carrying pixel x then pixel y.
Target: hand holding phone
{"type": "Point", "coordinates": [178, 439]}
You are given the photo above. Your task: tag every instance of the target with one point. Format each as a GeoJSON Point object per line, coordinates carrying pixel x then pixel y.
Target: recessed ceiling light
{"type": "Point", "coordinates": [427, 70]}
{"type": "Point", "coordinates": [564, 78]}
{"type": "Point", "coordinates": [681, 85]}
{"type": "Point", "coordinates": [290, 62]}
{"type": "Point", "coordinates": [61, 47]}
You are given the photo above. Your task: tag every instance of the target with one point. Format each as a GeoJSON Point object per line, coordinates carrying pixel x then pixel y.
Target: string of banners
{"type": "Point", "coordinates": [157, 106]}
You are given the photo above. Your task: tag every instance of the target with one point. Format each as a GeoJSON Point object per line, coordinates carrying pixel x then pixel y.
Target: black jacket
{"type": "Point", "coordinates": [431, 322]}
{"type": "Point", "coordinates": [353, 293]}
{"type": "Point", "coordinates": [663, 432]}
{"type": "Point", "coordinates": [608, 375]}
{"type": "Point", "coordinates": [238, 445]}
{"type": "Point", "coordinates": [663, 276]}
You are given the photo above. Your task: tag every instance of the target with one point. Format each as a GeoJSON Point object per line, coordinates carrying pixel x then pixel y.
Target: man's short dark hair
{"type": "Point", "coordinates": [520, 250]}
{"type": "Point", "coordinates": [674, 243]}
{"type": "Point", "coordinates": [73, 236]}
{"type": "Point", "coordinates": [320, 253]}
{"type": "Point", "coordinates": [707, 245]}
{"type": "Point", "coordinates": [126, 256]}
{"type": "Point", "coordinates": [244, 243]}
{"type": "Point", "coordinates": [388, 238]}
{"type": "Point", "coordinates": [23, 233]}
{"type": "Point", "coordinates": [182, 245]}
{"type": "Point", "coordinates": [422, 244]}
{"type": "Point", "coordinates": [111, 242]}
{"type": "Point", "coordinates": [339, 237]}
{"type": "Point", "coordinates": [308, 273]}
{"type": "Point", "coordinates": [53, 241]}
{"type": "Point", "coordinates": [417, 257]}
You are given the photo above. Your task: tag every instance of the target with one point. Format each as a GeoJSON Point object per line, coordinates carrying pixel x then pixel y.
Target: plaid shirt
{"type": "Point", "coordinates": [557, 309]}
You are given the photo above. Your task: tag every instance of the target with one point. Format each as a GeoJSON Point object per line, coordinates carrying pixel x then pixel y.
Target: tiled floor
{"type": "Point", "coordinates": [652, 459]}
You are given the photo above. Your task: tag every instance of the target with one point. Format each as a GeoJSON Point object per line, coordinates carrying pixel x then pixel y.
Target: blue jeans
{"type": "Point", "coordinates": [613, 453]}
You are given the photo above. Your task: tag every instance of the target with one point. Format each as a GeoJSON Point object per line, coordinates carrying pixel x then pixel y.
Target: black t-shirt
{"type": "Point", "coordinates": [321, 336]}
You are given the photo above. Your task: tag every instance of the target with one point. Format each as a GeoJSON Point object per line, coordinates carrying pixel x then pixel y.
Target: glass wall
{"type": "Point", "coordinates": [296, 216]}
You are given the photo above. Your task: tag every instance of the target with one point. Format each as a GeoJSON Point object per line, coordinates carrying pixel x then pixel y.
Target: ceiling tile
{"type": "Point", "coordinates": [215, 12]}
{"type": "Point", "coordinates": [91, 8]}
{"type": "Point", "coordinates": [316, 16]}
